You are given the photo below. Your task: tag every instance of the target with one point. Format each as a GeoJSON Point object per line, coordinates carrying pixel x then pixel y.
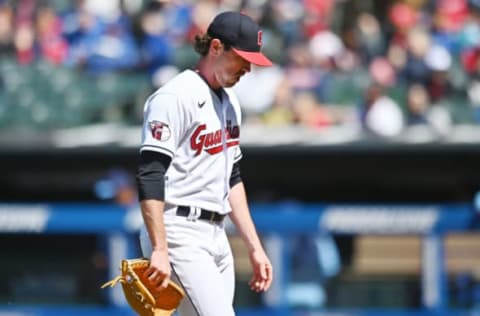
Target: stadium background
{"type": "Point", "coordinates": [361, 150]}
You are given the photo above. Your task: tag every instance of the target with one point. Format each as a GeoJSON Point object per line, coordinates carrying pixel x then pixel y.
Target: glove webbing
{"type": "Point", "coordinates": [129, 277]}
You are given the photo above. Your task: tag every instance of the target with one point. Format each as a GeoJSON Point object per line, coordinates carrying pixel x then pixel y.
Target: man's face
{"type": "Point", "coordinates": [229, 68]}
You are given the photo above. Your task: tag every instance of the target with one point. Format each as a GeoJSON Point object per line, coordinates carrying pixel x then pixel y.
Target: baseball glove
{"type": "Point", "coordinates": [143, 297]}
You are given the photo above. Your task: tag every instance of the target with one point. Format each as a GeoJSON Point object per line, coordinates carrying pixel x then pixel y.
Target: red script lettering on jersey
{"type": "Point", "coordinates": [212, 142]}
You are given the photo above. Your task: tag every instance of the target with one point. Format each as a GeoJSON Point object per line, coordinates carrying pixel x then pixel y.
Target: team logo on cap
{"type": "Point", "coordinates": [259, 38]}
{"type": "Point", "coordinates": [160, 131]}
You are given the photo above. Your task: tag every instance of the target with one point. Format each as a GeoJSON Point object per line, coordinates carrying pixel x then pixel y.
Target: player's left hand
{"type": "Point", "coordinates": [262, 271]}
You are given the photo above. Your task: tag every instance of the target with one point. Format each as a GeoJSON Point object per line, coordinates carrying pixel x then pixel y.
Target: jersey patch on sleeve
{"type": "Point", "coordinates": [160, 131]}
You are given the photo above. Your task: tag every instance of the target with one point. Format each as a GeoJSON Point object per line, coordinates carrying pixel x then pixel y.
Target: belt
{"type": "Point", "coordinates": [204, 214]}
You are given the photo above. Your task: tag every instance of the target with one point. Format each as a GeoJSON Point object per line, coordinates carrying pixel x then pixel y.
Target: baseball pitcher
{"type": "Point", "coordinates": [189, 176]}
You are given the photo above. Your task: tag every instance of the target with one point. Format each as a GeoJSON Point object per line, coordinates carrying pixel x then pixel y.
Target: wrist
{"type": "Point", "coordinates": [160, 248]}
{"type": "Point", "coordinates": [254, 248]}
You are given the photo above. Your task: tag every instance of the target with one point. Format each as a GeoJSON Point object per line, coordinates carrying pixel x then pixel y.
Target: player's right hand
{"type": "Point", "coordinates": [159, 271]}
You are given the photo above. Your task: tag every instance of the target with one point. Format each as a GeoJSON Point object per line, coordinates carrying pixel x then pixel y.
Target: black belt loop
{"type": "Point", "coordinates": [204, 214]}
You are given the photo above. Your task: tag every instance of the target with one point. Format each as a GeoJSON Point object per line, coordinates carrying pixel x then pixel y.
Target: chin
{"type": "Point", "coordinates": [230, 84]}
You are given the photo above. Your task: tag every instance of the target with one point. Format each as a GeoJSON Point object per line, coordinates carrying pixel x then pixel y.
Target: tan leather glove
{"type": "Point", "coordinates": [144, 298]}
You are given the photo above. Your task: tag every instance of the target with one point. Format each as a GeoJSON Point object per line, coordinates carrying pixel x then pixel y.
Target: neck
{"type": "Point", "coordinates": [205, 69]}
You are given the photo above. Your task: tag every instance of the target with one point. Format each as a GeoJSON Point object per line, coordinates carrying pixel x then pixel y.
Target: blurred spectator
{"type": "Point", "coordinates": [382, 72]}
{"type": "Point", "coordinates": [81, 29]}
{"type": "Point", "coordinates": [324, 46]}
{"type": "Point", "coordinates": [287, 15]}
{"type": "Point", "coordinates": [421, 111]}
{"type": "Point", "coordinates": [418, 103]}
{"type": "Point", "coordinates": [379, 114]}
{"type": "Point", "coordinates": [49, 35]}
{"type": "Point", "coordinates": [100, 44]}
{"type": "Point", "coordinates": [469, 35]}
{"type": "Point", "coordinates": [280, 113]}
{"type": "Point", "coordinates": [397, 57]}
{"type": "Point", "coordinates": [156, 49]}
{"type": "Point", "coordinates": [439, 60]}
{"type": "Point", "coordinates": [373, 53]}
{"type": "Point", "coordinates": [317, 16]}
{"type": "Point", "coordinates": [114, 49]}
{"type": "Point", "coordinates": [33, 32]}
{"type": "Point", "coordinates": [309, 113]}
{"type": "Point", "coordinates": [6, 30]}
{"type": "Point", "coordinates": [451, 14]}
{"type": "Point", "coordinates": [25, 44]}
{"type": "Point", "coordinates": [403, 17]}
{"type": "Point", "coordinates": [300, 70]}
{"type": "Point", "coordinates": [416, 69]}
{"type": "Point", "coordinates": [264, 79]}
{"type": "Point", "coordinates": [369, 37]}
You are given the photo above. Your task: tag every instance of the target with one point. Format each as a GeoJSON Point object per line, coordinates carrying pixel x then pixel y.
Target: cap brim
{"type": "Point", "coordinates": [256, 58]}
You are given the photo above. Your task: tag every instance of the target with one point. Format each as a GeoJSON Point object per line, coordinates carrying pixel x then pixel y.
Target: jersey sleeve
{"type": "Point", "coordinates": [163, 124]}
{"type": "Point", "coordinates": [237, 154]}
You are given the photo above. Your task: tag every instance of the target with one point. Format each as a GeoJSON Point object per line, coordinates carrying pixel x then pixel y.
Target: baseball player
{"type": "Point", "coordinates": [189, 176]}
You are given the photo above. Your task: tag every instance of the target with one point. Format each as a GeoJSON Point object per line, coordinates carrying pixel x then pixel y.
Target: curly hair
{"type": "Point", "coordinates": [202, 44]}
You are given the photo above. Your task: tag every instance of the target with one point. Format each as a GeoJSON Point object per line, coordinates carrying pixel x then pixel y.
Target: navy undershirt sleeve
{"type": "Point", "coordinates": [235, 177]}
{"type": "Point", "coordinates": [151, 175]}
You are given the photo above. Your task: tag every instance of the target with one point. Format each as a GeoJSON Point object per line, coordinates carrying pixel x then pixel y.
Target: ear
{"type": "Point", "coordinates": [216, 47]}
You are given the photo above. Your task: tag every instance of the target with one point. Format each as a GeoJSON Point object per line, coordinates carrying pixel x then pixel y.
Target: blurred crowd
{"type": "Point", "coordinates": [381, 66]}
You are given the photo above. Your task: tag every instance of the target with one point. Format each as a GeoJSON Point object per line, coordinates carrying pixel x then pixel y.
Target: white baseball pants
{"type": "Point", "coordinates": [202, 263]}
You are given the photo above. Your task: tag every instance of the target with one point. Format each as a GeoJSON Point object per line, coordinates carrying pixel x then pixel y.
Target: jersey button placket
{"type": "Point", "coordinates": [225, 148]}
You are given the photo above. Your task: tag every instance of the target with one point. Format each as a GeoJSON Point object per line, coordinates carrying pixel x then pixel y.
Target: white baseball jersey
{"type": "Point", "coordinates": [187, 121]}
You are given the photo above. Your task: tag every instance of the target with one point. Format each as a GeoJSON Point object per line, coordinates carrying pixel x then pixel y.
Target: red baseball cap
{"type": "Point", "coordinates": [242, 33]}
